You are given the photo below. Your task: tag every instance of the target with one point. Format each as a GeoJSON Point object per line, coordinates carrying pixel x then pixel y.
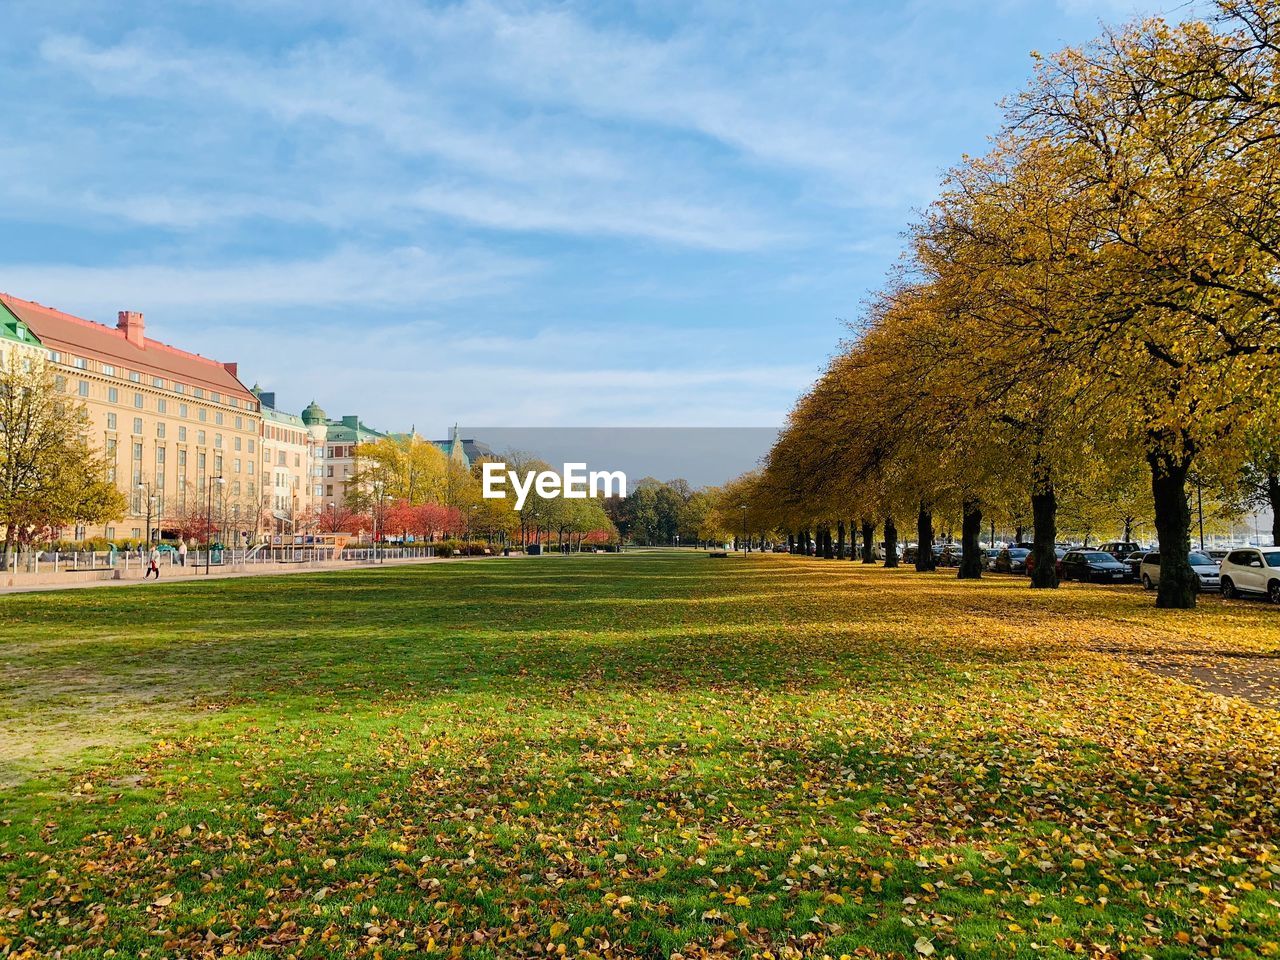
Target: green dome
{"type": "Point", "coordinates": [313, 414]}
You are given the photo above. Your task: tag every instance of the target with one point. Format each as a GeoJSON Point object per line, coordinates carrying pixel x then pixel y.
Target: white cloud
{"type": "Point", "coordinates": [403, 277]}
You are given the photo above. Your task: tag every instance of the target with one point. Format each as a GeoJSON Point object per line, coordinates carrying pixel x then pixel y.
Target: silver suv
{"type": "Point", "coordinates": [1252, 570]}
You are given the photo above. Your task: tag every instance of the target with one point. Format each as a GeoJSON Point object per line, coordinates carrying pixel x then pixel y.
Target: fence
{"type": "Point", "coordinates": [127, 561]}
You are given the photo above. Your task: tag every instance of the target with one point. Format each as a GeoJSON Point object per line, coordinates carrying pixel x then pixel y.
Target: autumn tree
{"type": "Point", "coordinates": [51, 475]}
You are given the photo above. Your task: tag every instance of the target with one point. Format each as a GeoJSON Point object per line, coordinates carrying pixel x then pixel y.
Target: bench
{"type": "Point", "coordinates": [718, 553]}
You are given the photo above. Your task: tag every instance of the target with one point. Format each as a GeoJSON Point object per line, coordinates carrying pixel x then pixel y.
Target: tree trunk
{"type": "Point", "coordinates": [971, 541]}
{"type": "Point", "coordinates": [890, 542]}
{"type": "Point", "coordinates": [840, 540]}
{"type": "Point", "coordinates": [1273, 497]}
{"type": "Point", "coordinates": [1018, 533]}
{"type": "Point", "coordinates": [1044, 517]}
{"type": "Point", "coordinates": [924, 540]}
{"type": "Point", "coordinates": [868, 532]}
{"type": "Point", "coordinates": [1178, 582]}
{"type": "Point", "coordinates": [828, 545]}
{"type": "Point", "coordinates": [1128, 529]}
{"type": "Point", "coordinates": [791, 543]}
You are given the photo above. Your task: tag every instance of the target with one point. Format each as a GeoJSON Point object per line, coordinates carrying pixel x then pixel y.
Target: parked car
{"type": "Point", "coordinates": [1252, 570]}
{"type": "Point", "coordinates": [950, 555]}
{"type": "Point", "coordinates": [989, 555]}
{"type": "Point", "coordinates": [1120, 549]}
{"type": "Point", "coordinates": [1092, 566]}
{"type": "Point", "coordinates": [1011, 560]}
{"type": "Point", "coordinates": [1205, 566]}
{"type": "Point", "coordinates": [1134, 562]}
{"type": "Point", "coordinates": [1058, 552]}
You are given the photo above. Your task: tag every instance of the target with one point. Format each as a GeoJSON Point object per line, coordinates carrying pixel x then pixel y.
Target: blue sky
{"type": "Point", "coordinates": [496, 213]}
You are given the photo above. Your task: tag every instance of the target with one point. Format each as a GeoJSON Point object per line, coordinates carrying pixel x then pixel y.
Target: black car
{"type": "Point", "coordinates": [950, 555]}
{"type": "Point", "coordinates": [1093, 566]}
{"type": "Point", "coordinates": [1011, 560]}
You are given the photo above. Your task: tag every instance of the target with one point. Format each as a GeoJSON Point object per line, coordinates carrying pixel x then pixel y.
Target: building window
{"type": "Point", "coordinates": [138, 401]}
{"type": "Point", "coordinates": [134, 376]}
{"type": "Point", "coordinates": [215, 397]}
{"type": "Point", "coordinates": [202, 415]}
{"type": "Point", "coordinates": [217, 418]}
{"type": "Point", "coordinates": [160, 430]}
{"type": "Point", "coordinates": [328, 489]}
{"type": "Point", "coordinates": [137, 452]}
{"type": "Point", "coordinates": [80, 363]}
{"type": "Point", "coordinates": [217, 464]}
{"type": "Point", "coordinates": [137, 425]}
{"type": "Point", "coordinates": [217, 440]}
{"type": "Point", "coordinates": [237, 443]}
{"type": "Point", "coordinates": [179, 388]}
{"type": "Point", "coordinates": [111, 533]}
{"type": "Point", "coordinates": [251, 445]}
{"type": "Point", "coordinates": [182, 434]}
{"type": "Point", "coordinates": [182, 460]}
{"type": "Point", "coordinates": [239, 423]}
{"type": "Point", "coordinates": [162, 405]}
{"type": "Point", "coordinates": [236, 465]}
{"type": "Point", "coordinates": [111, 421]}
{"type": "Point", "coordinates": [182, 410]}
{"type": "Point", "coordinates": [198, 393]}
{"type": "Point", "coordinates": [200, 437]}
{"type": "Point", "coordinates": [83, 388]}
{"type": "Point", "coordinates": [109, 370]}
{"type": "Point", "coordinates": [250, 468]}
{"type": "Point", "coordinates": [113, 395]}
{"type": "Point", "coordinates": [160, 463]}
{"type": "Point", "coordinates": [157, 381]}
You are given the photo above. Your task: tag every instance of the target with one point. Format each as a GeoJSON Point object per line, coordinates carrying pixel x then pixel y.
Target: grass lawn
{"type": "Point", "coordinates": [644, 755]}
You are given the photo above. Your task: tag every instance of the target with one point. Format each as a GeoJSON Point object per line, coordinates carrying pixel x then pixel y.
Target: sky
{"type": "Point", "coordinates": [595, 214]}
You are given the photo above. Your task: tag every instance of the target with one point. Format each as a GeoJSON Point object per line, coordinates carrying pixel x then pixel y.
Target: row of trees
{"type": "Point", "coordinates": [1088, 313]}
{"type": "Point", "coordinates": [408, 486]}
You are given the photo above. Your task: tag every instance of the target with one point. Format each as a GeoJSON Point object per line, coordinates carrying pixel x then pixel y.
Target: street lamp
{"type": "Point", "coordinates": [333, 517]}
{"type": "Point", "coordinates": [208, 521]}
{"type": "Point", "coordinates": [377, 509]}
{"type": "Point", "coordinates": [150, 498]}
{"type": "Point", "coordinates": [745, 546]}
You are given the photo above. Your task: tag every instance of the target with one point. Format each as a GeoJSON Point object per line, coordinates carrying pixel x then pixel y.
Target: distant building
{"type": "Point", "coordinates": [336, 460]}
{"type": "Point", "coordinates": [169, 421]}
{"type": "Point", "coordinates": [461, 450]}
{"type": "Point", "coordinates": [291, 455]}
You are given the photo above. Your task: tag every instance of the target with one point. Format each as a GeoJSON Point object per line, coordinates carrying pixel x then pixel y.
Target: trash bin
{"type": "Point", "coordinates": [506, 551]}
{"type": "Point", "coordinates": [534, 549]}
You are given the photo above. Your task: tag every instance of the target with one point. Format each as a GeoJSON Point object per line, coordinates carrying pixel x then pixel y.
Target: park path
{"type": "Point", "coordinates": [194, 574]}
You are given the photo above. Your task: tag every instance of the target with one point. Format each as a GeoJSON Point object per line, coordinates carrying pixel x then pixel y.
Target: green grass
{"type": "Point", "coordinates": [637, 755]}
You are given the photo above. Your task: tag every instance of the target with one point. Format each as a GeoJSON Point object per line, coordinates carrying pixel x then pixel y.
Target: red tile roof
{"type": "Point", "coordinates": [84, 338]}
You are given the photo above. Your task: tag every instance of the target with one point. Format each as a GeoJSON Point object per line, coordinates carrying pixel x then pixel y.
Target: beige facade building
{"type": "Point", "coordinates": [291, 454]}
{"type": "Point", "coordinates": [170, 422]}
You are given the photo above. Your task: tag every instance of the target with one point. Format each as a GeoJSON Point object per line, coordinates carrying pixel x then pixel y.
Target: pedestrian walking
{"type": "Point", "coordinates": [153, 566]}
{"type": "Point", "coordinates": [182, 553]}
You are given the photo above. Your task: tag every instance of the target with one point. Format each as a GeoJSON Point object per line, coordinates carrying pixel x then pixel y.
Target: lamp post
{"type": "Point", "coordinates": [333, 517]}
{"type": "Point", "coordinates": [377, 509]}
{"type": "Point", "coordinates": [208, 521]}
{"type": "Point", "coordinates": [144, 489]}
{"type": "Point", "coordinates": [746, 547]}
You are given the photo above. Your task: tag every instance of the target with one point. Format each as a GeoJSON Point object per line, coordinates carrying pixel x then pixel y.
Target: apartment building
{"type": "Point", "coordinates": [291, 453]}
{"type": "Point", "coordinates": [336, 459]}
{"type": "Point", "coordinates": [170, 421]}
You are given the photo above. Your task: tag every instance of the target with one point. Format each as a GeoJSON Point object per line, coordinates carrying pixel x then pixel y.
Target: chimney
{"type": "Point", "coordinates": [130, 321]}
{"type": "Point", "coordinates": [231, 368]}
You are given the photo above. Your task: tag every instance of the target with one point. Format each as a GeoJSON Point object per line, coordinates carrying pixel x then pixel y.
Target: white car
{"type": "Point", "coordinates": [1252, 570]}
{"type": "Point", "coordinates": [1206, 569]}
